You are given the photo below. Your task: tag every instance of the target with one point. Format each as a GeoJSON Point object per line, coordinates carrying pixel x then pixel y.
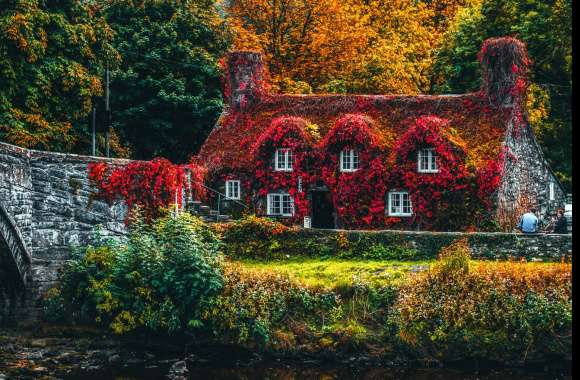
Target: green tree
{"type": "Point", "coordinates": [166, 92]}
{"type": "Point", "coordinates": [546, 28]}
{"type": "Point", "coordinates": [50, 58]}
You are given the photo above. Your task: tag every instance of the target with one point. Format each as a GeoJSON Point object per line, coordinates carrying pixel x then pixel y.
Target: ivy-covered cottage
{"type": "Point", "coordinates": [440, 162]}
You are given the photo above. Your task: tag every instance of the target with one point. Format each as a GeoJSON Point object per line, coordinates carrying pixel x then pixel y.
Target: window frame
{"type": "Point", "coordinates": [273, 198]}
{"type": "Point", "coordinates": [399, 193]}
{"type": "Point", "coordinates": [432, 166]}
{"type": "Point", "coordinates": [229, 182]}
{"type": "Point", "coordinates": [552, 191]}
{"type": "Point", "coordinates": [352, 154]}
{"type": "Point", "coordinates": [288, 160]}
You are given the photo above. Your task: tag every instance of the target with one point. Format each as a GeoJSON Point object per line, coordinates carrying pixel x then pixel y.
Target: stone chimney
{"type": "Point", "coordinates": [505, 65]}
{"type": "Point", "coordinates": [245, 79]}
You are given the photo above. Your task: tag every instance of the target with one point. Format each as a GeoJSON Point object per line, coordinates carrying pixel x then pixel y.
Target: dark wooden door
{"type": "Point", "coordinates": [322, 210]}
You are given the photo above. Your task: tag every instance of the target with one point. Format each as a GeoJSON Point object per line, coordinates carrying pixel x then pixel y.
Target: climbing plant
{"type": "Point", "coordinates": [290, 133]}
{"type": "Point", "coordinates": [358, 196]}
{"type": "Point", "coordinates": [151, 185]}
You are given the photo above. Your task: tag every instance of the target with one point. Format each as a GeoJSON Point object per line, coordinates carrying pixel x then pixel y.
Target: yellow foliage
{"type": "Point", "coordinates": [538, 107]}
{"type": "Point", "coordinates": [33, 130]}
{"type": "Point", "coordinates": [373, 46]}
{"type": "Point", "coordinates": [123, 323]}
{"type": "Point", "coordinates": [308, 40]}
{"type": "Point", "coordinates": [314, 131]}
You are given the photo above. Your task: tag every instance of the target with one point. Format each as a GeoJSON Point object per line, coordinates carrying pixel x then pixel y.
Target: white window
{"type": "Point", "coordinates": [348, 160]}
{"type": "Point", "coordinates": [399, 204]}
{"type": "Point", "coordinates": [552, 190]}
{"type": "Point", "coordinates": [283, 160]}
{"type": "Point", "coordinates": [232, 189]}
{"type": "Point", "coordinates": [280, 204]}
{"type": "Point", "coordinates": [427, 161]}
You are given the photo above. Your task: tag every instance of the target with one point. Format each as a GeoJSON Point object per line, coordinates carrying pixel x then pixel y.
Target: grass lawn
{"type": "Point", "coordinates": [338, 273]}
{"type": "Point", "coordinates": [335, 273]}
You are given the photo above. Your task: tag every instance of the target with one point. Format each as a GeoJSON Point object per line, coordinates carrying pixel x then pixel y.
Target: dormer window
{"type": "Point", "coordinates": [283, 160]}
{"type": "Point", "coordinates": [348, 160]}
{"type": "Point", "coordinates": [427, 161]}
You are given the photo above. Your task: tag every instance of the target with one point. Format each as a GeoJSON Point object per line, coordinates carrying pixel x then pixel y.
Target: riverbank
{"type": "Point", "coordinates": [171, 280]}
{"type": "Point", "coordinates": [51, 352]}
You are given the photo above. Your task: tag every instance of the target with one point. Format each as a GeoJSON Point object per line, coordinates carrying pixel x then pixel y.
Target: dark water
{"type": "Point", "coordinates": [297, 371]}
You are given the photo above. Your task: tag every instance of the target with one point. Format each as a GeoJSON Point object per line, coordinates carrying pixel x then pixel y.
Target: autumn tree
{"type": "Point", "coordinates": [51, 55]}
{"type": "Point", "coordinates": [546, 28]}
{"type": "Point", "coordinates": [402, 35]}
{"type": "Point", "coordinates": [360, 46]}
{"type": "Point", "coordinates": [311, 41]}
{"type": "Point", "coordinates": [444, 11]}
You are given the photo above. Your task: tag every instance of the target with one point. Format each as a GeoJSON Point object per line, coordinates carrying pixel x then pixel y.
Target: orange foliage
{"type": "Point", "coordinates": [308, 40]}
{"type": "Point", "coordinates": [371, 46]}
{"type": "Point", "coordinates": [32, 130]}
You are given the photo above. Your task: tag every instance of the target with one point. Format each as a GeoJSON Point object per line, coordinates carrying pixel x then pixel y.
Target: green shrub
{"type": "Point", "coordinates": [454, 259]}
{"type": "Point", "coordinates": [388, 252]}
{"type": "Point", "coordinates": [159, 279]}
{"type": "Point", "coordinates": [53, 306]}
{"type": "Point", "coordinates": [252, 237]}
{"type": "Point", "coordinates": [261, 238]}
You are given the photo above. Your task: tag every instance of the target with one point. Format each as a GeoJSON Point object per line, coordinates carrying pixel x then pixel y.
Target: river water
{"type": "Point", "coordinates": [297, 372]}
{"type": "Point", "coordinates": [73, 355]}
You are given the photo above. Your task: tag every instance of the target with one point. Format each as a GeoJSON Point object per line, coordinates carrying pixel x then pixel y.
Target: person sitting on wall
{"type": "Point", "coordinates": [561, 224]}
{"type": "Point", "coordinates": [551, 222]}
{"type": "Point", "coordinates": [529, 222]}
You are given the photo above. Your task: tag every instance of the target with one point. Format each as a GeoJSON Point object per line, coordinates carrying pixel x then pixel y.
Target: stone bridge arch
{"type": "Point", "coordinates": [15, 264]}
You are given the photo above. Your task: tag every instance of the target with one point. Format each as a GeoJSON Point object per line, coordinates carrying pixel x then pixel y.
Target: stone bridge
{"type": "Point", "coordinates": [46, 207]}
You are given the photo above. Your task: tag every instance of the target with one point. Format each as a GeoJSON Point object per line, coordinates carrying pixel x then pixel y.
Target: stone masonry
{"type": "Point", "coordinates": [527, 177]}
{"type": "Point", "coordinates": [48, 196]}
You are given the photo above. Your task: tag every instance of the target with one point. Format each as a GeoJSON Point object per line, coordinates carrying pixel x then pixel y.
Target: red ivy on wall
{"type": "Point", "coordinates": [505, 63]}
{"type": "Point", "coordinates": [432, 194]}
{"type": "Point", "coordinates": [358, 196]}
{"type": "Point", "coordinates": [453, 198]}
{"type": "Point", "coordinates": [151, 185]}
{"type": "Point", "coordinates": [286, 132]}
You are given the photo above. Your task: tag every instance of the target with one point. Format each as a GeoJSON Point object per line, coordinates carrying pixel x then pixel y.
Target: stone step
{"type": "Point", "coordinates": [216, 218]}
{"type": "Point", "coordinates": [193, 206]}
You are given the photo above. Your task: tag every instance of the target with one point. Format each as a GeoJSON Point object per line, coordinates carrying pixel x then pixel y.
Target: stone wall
{"type": "Point", "coordinates": [484, 245]}
{"type": "Point", "coordinates": [16, 187]}
{"type": "Point", "coordinates": [401, 245]}
{"type": "Point", "coordinates": [526, 178]}
{"type": "Point", "coordinates": [49, 197]}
